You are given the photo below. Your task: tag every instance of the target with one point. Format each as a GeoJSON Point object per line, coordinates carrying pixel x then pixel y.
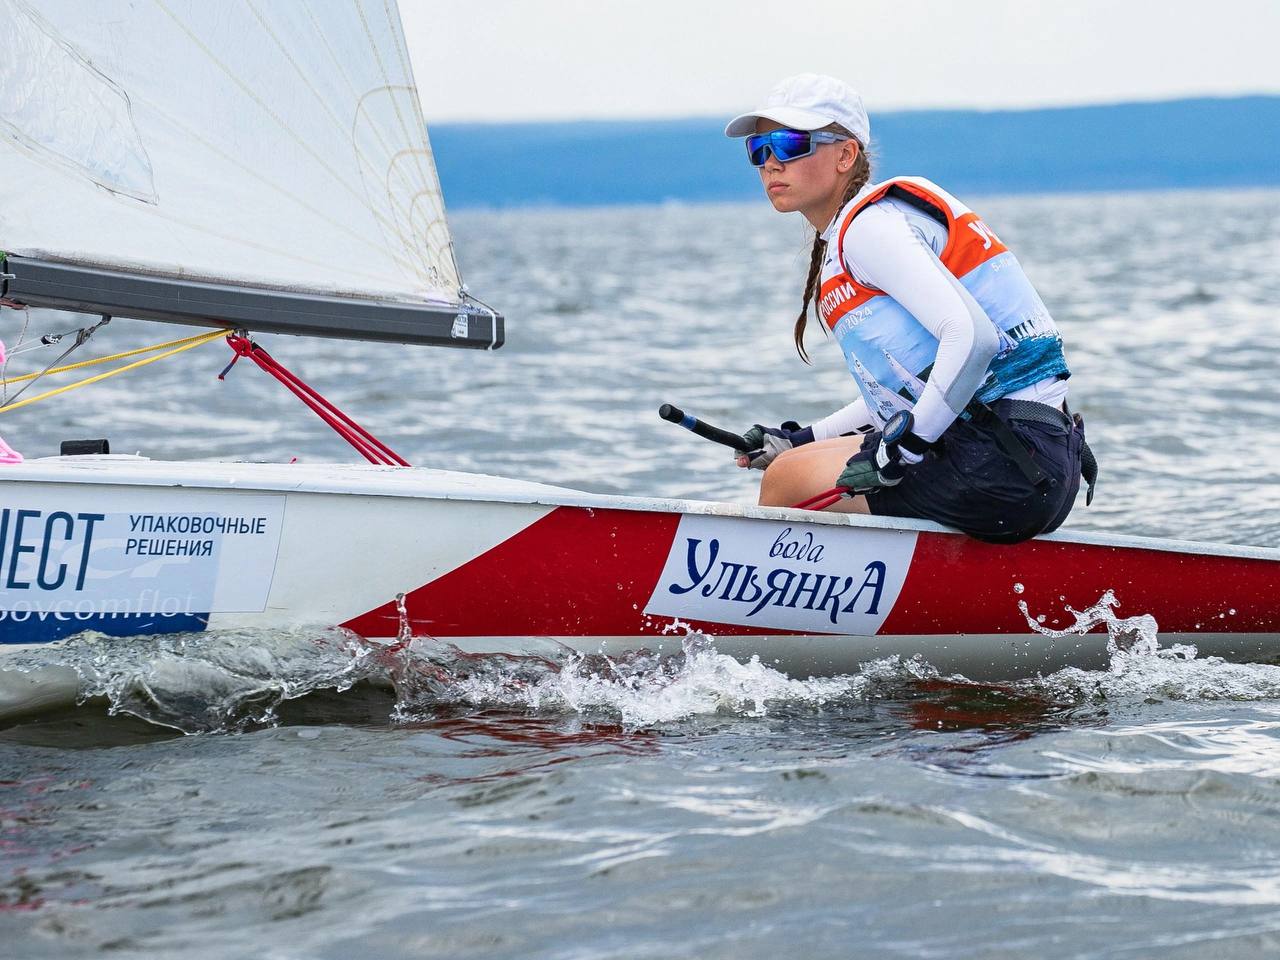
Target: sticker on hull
{"type": "Point", "coordinates": [796, 577]}
{"type": "Point", "coordinates": [132, 561]}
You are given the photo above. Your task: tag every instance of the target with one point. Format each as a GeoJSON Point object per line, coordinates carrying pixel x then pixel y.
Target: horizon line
{"type": "Point", "coordinates": [887, 111]}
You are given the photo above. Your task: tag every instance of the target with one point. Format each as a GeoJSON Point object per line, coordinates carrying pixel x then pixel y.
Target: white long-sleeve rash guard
{"type": "Point", "coordinates": [894, 247]}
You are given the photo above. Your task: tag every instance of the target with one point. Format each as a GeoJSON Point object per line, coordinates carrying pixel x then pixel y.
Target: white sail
{"type": "Point", "coordinates": [274, 143]}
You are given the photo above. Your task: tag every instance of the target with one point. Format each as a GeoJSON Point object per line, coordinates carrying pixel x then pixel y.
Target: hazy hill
{"type": "Point", "coordinates": [1170, 144]}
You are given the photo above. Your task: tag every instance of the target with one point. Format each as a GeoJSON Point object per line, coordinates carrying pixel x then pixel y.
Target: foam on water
{"type": "Point", "coordinates": [639, 690]}
{"type": "Point", "coordinates": [643, 689]}
{"type": "Point", "coordinates": [1141, 670]}
{"type": "Point", "coordinates": [226, 681]}
{"type": "Point", "coordinates": [219, 681]}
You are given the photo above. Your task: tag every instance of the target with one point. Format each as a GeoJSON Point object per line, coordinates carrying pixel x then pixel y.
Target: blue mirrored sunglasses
{"type": "Point", "coordinates": [786, 144]}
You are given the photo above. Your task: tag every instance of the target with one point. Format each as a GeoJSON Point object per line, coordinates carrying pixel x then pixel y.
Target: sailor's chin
{"type": "Point", "coordinates": [782, 201]}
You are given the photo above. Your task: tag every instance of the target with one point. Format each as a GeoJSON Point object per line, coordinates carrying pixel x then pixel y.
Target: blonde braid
{"type": "Point", "coordinates": [858, 179]}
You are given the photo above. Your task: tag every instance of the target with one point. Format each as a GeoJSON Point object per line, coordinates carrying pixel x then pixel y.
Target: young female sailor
{"type": "Point", "coordinates": [962, 413]}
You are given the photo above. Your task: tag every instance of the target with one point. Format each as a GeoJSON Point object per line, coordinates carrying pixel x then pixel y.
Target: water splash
{"type": "Point", "coordinates": [234, 680]}
{"type": "Point", "coordinates": [212, 682]}
{"type": "Point", "coordinates": [229, 681]}
{"type": "Point", "coordinates": [405, 632]}
{"type": "Point", "coordinates": [639, 689]}
{"type": "Point", "coordinates": [1131, 636]}
{"type": "Point", "coordinates": [1140, 670]}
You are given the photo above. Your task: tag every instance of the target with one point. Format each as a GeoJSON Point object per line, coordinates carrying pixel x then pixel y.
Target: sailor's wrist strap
{"type": "Point", "coordinates": [914, 444]}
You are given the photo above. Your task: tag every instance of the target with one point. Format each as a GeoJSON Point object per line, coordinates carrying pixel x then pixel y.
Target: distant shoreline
{"type": "Point", "coordinates": [752, 200]}
{"type": "Point", "coordinates": [1161, 145]}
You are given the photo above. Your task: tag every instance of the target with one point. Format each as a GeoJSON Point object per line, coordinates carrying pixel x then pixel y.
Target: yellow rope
{"type": "Point", "coordinates": [185, 344]}
{"type": "Point", "coordinates": [194, 340]}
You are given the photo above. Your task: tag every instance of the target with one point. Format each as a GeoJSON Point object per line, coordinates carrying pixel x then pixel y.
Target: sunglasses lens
{"type": "Point", "coordinates": [783, 144]}
{"type": "Point", "coordinates": [791, 144]}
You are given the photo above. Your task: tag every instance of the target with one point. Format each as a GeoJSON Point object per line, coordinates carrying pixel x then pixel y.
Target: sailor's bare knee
{"type": "Point", "coordinates": [785, 481]}
{"type": "Point", "coordinates": [786, 456]}
{"type": "Point", "coordinates": [776, 481]}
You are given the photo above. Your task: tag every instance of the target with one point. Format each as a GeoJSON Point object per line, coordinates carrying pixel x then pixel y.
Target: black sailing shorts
{"type": "Point", "coordinates": [967, 483]}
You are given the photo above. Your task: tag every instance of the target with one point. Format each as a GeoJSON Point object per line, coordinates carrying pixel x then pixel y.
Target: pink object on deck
{"type": "Point", "coordinates": [7, 453]}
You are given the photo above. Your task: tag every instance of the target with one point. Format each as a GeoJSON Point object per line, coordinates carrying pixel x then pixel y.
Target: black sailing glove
{"type": "Point", "coordinates": [880, 462]}
{"type": "Point", "coordinates": [765, 443]}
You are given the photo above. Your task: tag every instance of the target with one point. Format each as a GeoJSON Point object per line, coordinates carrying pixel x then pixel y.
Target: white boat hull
{"type": "Point", "coordinates": [127, 546]}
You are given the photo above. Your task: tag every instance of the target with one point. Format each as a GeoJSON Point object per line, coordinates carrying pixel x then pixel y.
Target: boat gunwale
{"type": "Point", "coordinates": [436, 484]}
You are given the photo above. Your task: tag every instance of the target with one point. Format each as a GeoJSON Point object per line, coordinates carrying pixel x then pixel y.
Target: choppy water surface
{"type": "Point", "coordinates": [330, 801]}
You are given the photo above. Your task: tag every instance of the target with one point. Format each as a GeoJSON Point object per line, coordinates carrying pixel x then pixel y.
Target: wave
{"type": "Point", "coordinates": [229, 681]}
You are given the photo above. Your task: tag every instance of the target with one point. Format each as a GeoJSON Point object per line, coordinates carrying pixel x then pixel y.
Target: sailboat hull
{"type": "Point", "coordinates": [127, 546]}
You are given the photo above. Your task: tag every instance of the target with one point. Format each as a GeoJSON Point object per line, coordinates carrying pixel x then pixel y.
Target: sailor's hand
{"type": "Point", "coordinates": [766, 443]}
{"type": "Point", "coordinates": [880, 462]}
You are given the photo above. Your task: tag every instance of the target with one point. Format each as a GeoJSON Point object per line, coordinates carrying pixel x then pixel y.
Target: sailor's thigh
{"type": "Point", "coordinates": [804, 472]}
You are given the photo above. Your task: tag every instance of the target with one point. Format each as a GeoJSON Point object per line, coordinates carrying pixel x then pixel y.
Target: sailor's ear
{"type": "Point", "coordinates": [848, 154]}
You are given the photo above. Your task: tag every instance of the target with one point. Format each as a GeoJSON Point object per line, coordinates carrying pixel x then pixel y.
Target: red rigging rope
{"type": "Point", "coordinates": [369, 446]}
{"type": "Point", "coordinates": [823, 500]}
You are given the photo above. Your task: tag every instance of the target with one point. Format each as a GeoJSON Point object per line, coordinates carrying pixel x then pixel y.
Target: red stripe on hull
{"type": "Point", "coordinates": [576, 572]}
{"type": "Point", "coordinates": [957, 585]}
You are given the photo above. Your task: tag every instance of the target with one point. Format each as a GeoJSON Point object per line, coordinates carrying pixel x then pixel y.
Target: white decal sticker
{"type": "Point", "coordinates": [137, 551]}
{"type": "Point", "coordinates": [789, 576]}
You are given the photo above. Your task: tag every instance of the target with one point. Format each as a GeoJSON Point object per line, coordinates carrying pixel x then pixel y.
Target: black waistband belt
{"type": "Point", "coordinates": [995, 418]}
{"type": "Point", "coordinates": [1031, 411]}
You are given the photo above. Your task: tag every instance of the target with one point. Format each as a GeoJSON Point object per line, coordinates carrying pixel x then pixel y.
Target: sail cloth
{"type": "Point", "coordinates": [274, 144]}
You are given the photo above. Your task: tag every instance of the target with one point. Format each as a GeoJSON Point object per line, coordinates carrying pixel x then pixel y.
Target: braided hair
{"type": "Point", "coordinates": [858, 178]}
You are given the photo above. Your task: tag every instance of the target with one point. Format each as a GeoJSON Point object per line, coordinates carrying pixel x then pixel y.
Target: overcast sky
{"type": "Point", "coordinates": [565, 59]}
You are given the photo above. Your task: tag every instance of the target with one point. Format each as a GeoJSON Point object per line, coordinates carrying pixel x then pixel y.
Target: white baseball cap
{"type": "Point", "coordinates": [808, 101]}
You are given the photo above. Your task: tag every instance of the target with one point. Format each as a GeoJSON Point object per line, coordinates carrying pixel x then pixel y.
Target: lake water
{"type": "Point", "coordinates": [698, 807]}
